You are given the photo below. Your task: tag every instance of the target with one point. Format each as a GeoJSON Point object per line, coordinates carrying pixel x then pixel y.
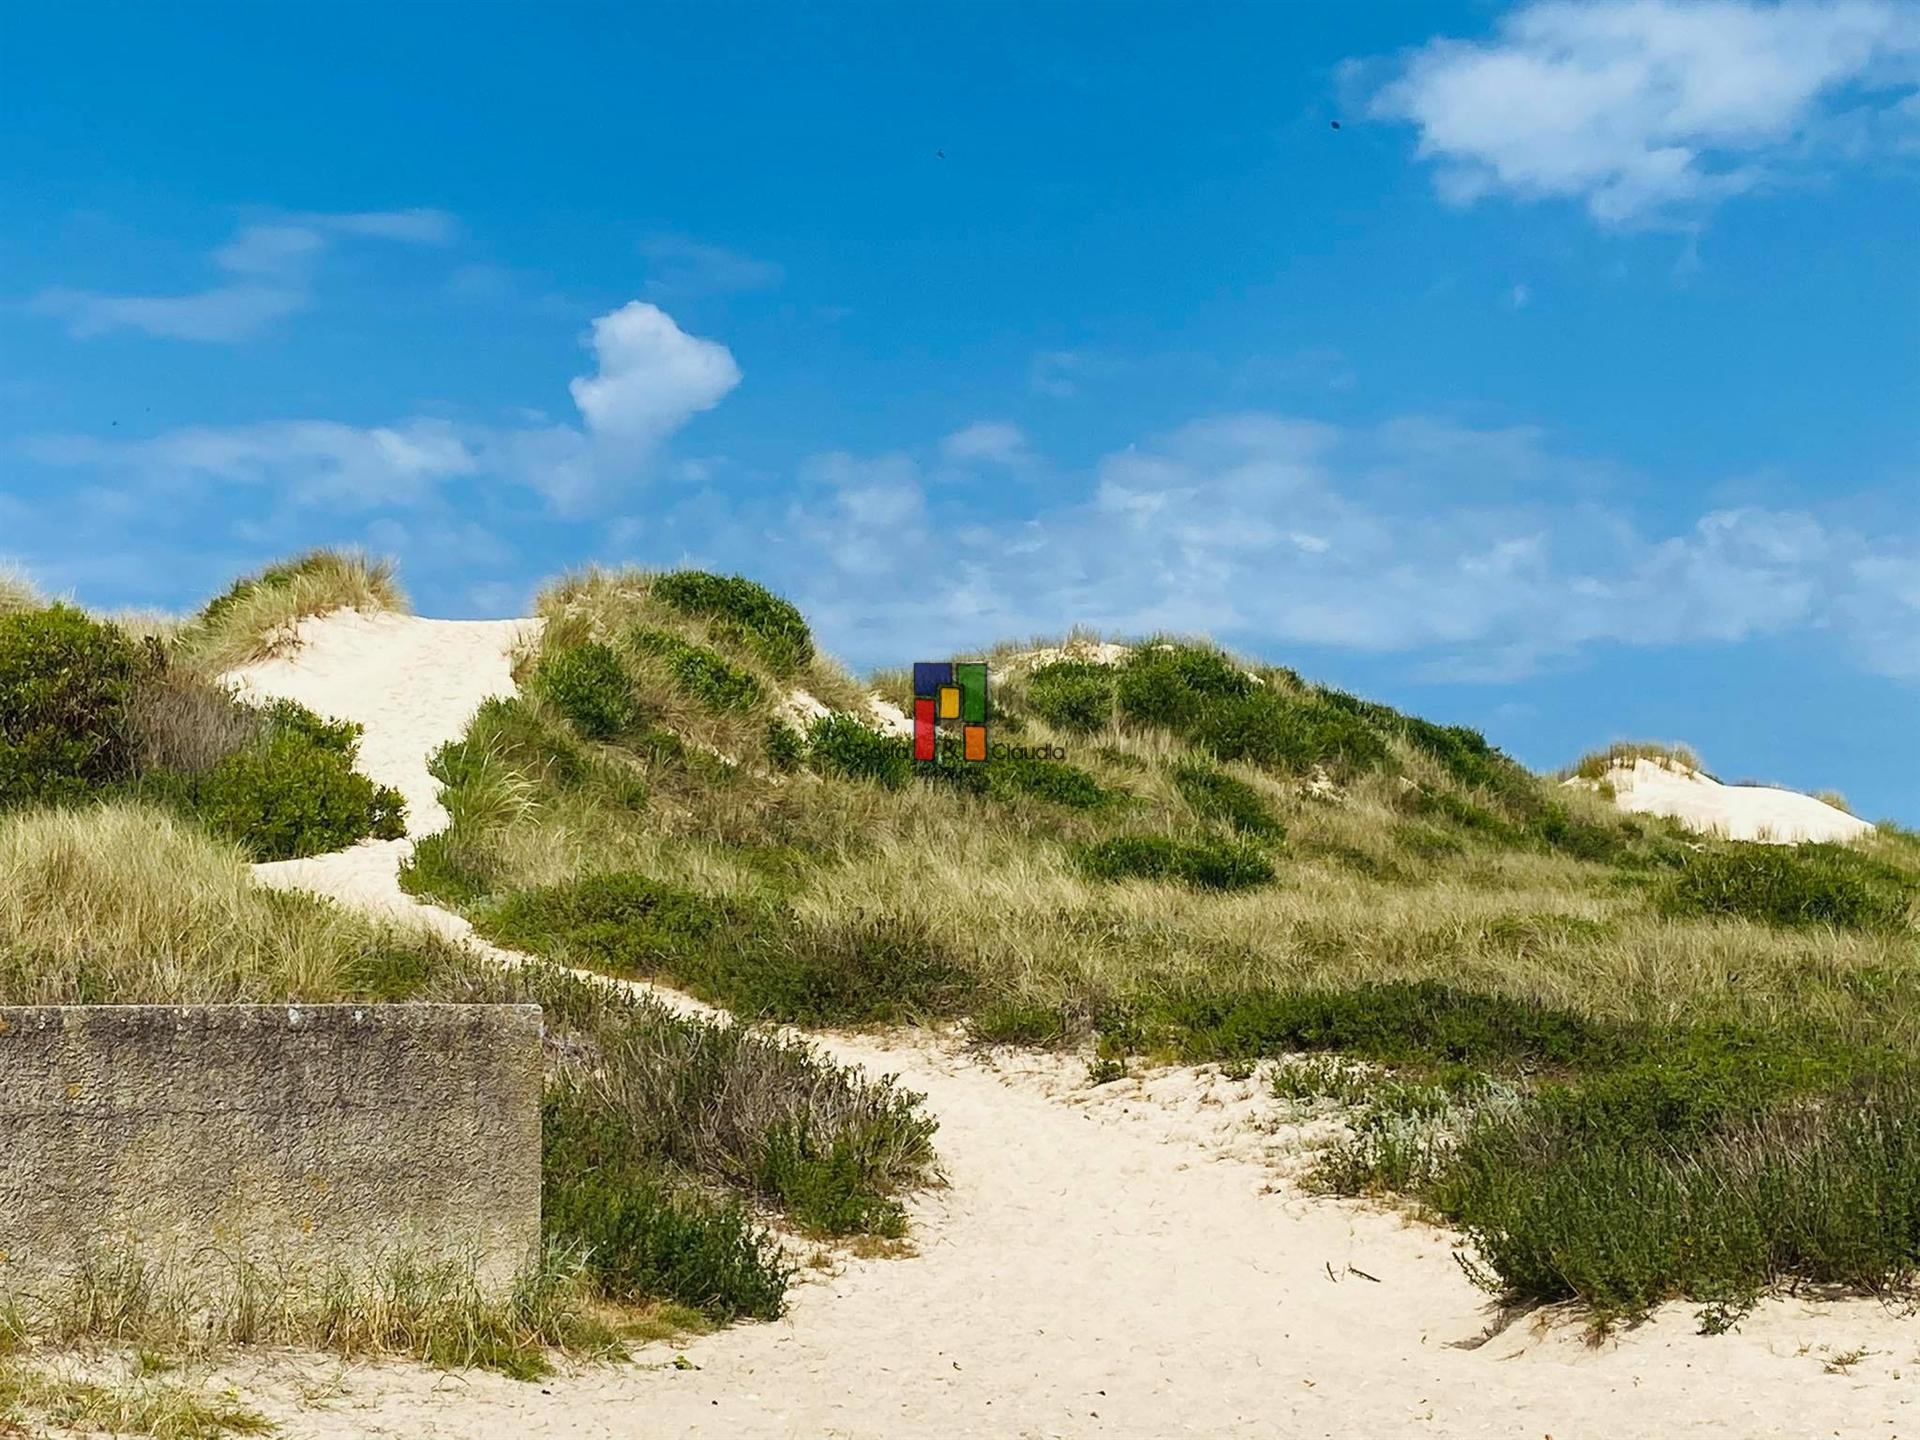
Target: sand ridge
{"type": "Point", "coordinates": [1737, 812]}
{"type": "Point", "coordinates": [1124, 1260]}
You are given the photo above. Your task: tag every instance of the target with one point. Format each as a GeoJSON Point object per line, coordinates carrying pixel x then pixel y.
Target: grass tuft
{"type": "Point", "coordinates": [257, 614]}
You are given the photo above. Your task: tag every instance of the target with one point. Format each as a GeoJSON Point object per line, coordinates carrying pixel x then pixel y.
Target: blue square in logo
{"type": "Point", "coordinates": [930, 676]}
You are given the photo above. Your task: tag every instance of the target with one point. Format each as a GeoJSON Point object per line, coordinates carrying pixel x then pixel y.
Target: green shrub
{"type": "Point", "coordinates": [291, 718]}
{"type": "Point", "coordinates": [287, 797]}
{"type": "Point", "coordinates": [620, 922]}
{"type": "Point", "coordinates": [65, 686]}
{"type": "Point", "coordinates": [840, 745]}
{"type": "Point", "coordinates": [1010, 1020]}
{"type": "Point", "coordinates": [1624, 1218]}
{"type": "Point", "coordinates": [645, 1235]}
{"type": "Point", "coordinates": [738, 609]}
{"type": "Point", "coordinates": [1214, 795]}
{"type": "Point", "coordinates": [1288, 733]}
{"type": "Point", "coordinates": [1172, 686]}
{"type": "Point", "coordinates": [1073, 695]}
{"type": "Point", "coordinates": [1400, 1022]}
{"type": "Point", "coordinates": [588, 685]}
{"type": "Point", "coordinates": [758, 959]}
{"type": "Point", "coordinates": [1821, 884]}
{"type": "Point", "coordinates": [1054, 781]}
{"type": "Point", "coordinates": [786, 747]}
{"type": "Point", "coordinates": [858, 969]}
{"type": "Point", "coordinates": [699, 672]}
{"type": "Point", "coordinates": [1206, 864]}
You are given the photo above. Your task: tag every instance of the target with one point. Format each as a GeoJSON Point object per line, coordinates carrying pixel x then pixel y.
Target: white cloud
{"type": "Point", "coordinates": [681, 266]}
{"type": "Point", "coordinates": [1653, 109]}
{"type": "Point", "coordinates": [1270, 531]}
{"type": "Point", "coordinates": [270, 270]}
{"type": "Point", "coordinates": [651, 377]}
{"type": "Point", "coordinates": [306, 462]}
{"type": "Point", "coordinates": [994, 440]}
{"type": "Point", "coordinates": [1057, 374]}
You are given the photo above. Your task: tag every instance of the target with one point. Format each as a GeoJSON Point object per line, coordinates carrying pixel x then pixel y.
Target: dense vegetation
{"type": "Point", "coordinates": [135, 789]}
{"type": "Point", "coordinates": [87, 713]}
{"type": "Point", "coordinates": [1628, 1062]}
{"type": "Point", "coordinates": [1543, 1016]}
{"type": "Point", "coordinates": [665, 1138]}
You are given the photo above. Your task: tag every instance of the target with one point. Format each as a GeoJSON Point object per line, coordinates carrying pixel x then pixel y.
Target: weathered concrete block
{"type": "Point", "coordinates": [303, 1137]}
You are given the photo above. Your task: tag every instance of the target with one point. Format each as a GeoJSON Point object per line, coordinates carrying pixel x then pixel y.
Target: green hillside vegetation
{"type": "Point", "coordinates": [1630, 1062]}
{"type": "Point", "coordinates": [669, 1142]}
{"type": "Point", "coordinates": [88, 713]}
{"type": "Point", "coordinates": [134, 790]}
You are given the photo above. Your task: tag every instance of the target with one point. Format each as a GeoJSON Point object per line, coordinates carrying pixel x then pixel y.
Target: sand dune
{"type": "Point", "coordinates": [1127, 1260]}
{"type": "Point", "coordinates": [1737, 812]}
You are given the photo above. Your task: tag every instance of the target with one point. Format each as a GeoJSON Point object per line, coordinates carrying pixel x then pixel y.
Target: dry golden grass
{"type": "Point", "coordinates": [17, 591]}
{"type": "Point", "coordinates": [1595, 764]}
{"type": "Point", "coordinates": [258, 615]}
{"type": "Point", "coordinates": [120, 903]}
{"type": "Point", "coordinates": [1367, 890]}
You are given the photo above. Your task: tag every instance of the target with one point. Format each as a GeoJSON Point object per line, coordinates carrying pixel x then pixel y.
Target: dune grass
{"type": "Point", "coordinates": [669, 1141]}
{"type": "Point", "coordinates": [1269, 867]}
{"type": "Point", "coordinates": [41, 1398]}
{"type": "Point", "coordinates": [17, 590]}
{"type": "Point", "coordinates": [1595, 764]}
{"type": "Point", "coordinates": [256, 615]}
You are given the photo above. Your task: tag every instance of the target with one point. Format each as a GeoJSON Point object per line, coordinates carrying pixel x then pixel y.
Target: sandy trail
{"type": "Point", "coordinates": [1120, 1261]}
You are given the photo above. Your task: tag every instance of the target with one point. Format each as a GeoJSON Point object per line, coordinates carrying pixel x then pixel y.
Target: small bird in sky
{"type": "Point", "coordinates": [1336, 124]}
{"type": "Point", "coordinates": [940, 154]}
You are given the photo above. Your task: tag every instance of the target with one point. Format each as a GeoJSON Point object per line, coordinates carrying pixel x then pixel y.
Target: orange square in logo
{"type": "Point", "coordinates": [976, 742]}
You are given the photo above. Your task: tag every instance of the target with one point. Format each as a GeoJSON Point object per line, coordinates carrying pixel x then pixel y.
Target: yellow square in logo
{"type": "Point", "coordinates": [949, 702]}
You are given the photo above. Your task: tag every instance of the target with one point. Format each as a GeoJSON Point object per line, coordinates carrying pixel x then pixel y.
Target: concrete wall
{"type": "Point", "coordinates": [298, 1135]}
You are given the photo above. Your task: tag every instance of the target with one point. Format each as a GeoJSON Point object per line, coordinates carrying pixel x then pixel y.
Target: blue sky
{"type": "Point", "coordinates": [1567, 389]}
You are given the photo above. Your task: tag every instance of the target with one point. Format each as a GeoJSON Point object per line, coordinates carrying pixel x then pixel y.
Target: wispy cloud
{"type": "Point", "coordinates": [1653, 110]}
{"type": "Point", "coordinates": [681, 267]}
{"type": "Point", "coordinates": [268, 271]}
{"type": "Point", "coordinates": [997, 441]}
{"type": "Point", "coordinates": [650, 379]}
{"type": "Point", "coordinates": [1270, 530]}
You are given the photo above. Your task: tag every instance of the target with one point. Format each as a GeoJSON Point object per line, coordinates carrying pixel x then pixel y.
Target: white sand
{"type": "Point", "coordinates": [1736, 812]}
{"type": "Point", "coordinates": [1128, 1260]}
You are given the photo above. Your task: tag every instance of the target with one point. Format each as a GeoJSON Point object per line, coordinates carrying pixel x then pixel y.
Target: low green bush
{"type": "Point", "coordinates": [286, 797]}
{"type": "Point", "coordinates": [1204, 864]}
{"type": "Point", "coordinates": [701, 673]}
{"type": "Point", "coordinates": [1795, 885]}
{"type": "Point", "coordinates": [1401, 1022]}
{"type": "Point", "coordinates": [738, 609]}
{"type": "Point", "coordinates": [1054, 781]}
{"type": "Point", "coordinates": [66, 683]}
{"type": "Point", "coordinates": [644, 1234]}
{"type": "Point", "coordinates": [622, 923]}
{"type": "Point", "coordinates": [861, 969]}
{"type": "Point", "coordinates": [840, 745]}
{"type": "Point", "coordinates": [758, 959]}
{"type": "Point", "coordinates": [1286, 732]}
{"type": "Point", "coordinates": [588, 685]}
{"type": "Point", "coordinates": [786, 747]}
{"type": "Point", "coordinates": [1214, 795]}
{"type": "Point", "coordinates": [1173, 686]}
{"type": "Point", "coordinates": [1073, 695]}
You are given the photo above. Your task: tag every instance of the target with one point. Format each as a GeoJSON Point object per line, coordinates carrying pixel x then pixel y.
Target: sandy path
{"type": "Point", "coordinates": [1123, 1261]}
